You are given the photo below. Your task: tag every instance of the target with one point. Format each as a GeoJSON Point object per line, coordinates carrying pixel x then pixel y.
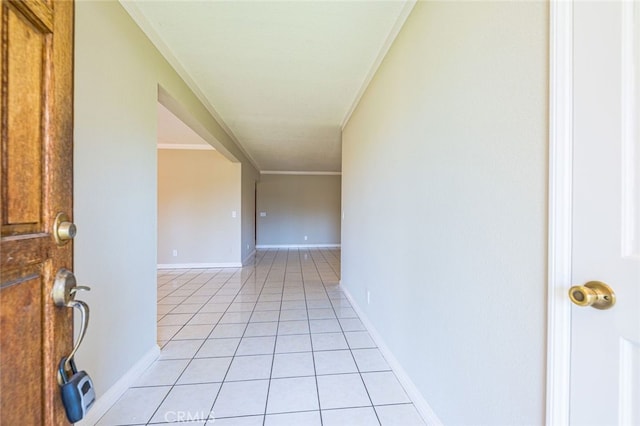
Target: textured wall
{"type": "Point", "coordinates": [445, 203]}
{"type": "Point", "coordinates": [118, 72]}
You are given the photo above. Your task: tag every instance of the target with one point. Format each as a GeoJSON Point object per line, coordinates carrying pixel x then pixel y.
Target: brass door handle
{"type": "Point", "coordinates": [594, 293]}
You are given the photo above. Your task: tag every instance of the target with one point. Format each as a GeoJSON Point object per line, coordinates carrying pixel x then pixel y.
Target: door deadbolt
{"type": "Point", "coordinates": [594, 293]}
{"type": "Point", "coordinates": [63, 229]}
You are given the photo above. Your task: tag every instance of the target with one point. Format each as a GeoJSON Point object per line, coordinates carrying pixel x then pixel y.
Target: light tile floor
{"type": "Point", "coordinates": [273, 343]}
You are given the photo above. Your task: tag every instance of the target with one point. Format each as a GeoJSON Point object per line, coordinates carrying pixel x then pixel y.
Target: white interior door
{"type": "Point", "coordinates": [605, 347]}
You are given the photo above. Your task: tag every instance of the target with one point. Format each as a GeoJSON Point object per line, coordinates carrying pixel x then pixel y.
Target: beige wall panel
{"type": "Point", "coordinates": [198, 193]}
{"type": "Point", "coordinates": [117, 75]}
{"type": "Point", "coordinates": [297, 206]}
{"type": "Point", "coordinates": [445, 203]}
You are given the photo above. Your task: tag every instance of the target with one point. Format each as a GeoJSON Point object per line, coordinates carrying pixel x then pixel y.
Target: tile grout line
{"type": "Point", "coordinates": [313, 357]}
{"type": "Point", "coordinates": [275, 343]}
{"type": "Point", "coordinates": [360, 372]}
{"type": "Point", "coordinates": [195, 313]}
{"type": "Point", "coordinates": [348, 345]}
{"type": "Point", "coordinates": [312, 279]}
{"type": "Point", "coordinates": [276, 378]}
{"type": "Point", "coordinates": [168, 294]}
{"type": "Point", "coordinates": [188, 363]}
{"type": "Point", "coordinates": [211, 410]}
{"type": "Point", "coordinates": [192, 358]}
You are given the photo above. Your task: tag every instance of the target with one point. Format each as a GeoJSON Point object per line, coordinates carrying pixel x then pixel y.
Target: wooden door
{"type": "Point", "coordinates": [605, 344]}
{"type": "Point", "coordinates": [36, 110]}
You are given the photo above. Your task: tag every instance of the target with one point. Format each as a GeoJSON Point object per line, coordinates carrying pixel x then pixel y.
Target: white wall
{"type": "Point", "coordinates": [444, 194]}
{"type": "Point", "coordinates": [297, 206]}
{"type": "Point", "coordinates": [117, 74]}
{"type": "Point", "coordinates": [198, 191]}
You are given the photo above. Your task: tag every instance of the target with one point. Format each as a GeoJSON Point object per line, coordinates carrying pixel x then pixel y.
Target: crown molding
{"type": "Point", "coordinates": [147, 27]}
{"type": "Point", "coordinates": [391, 37]}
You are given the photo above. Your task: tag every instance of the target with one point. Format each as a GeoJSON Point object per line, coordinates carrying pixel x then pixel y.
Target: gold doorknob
{"type": "Point", "coordinates": [594, 293]}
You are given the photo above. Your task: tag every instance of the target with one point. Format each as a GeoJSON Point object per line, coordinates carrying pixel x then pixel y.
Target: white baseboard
{"type": "Point", "coordinates": [249, 256]}
{"type": "Point", "coordinates": [198, 265]}
{"type": "Point", "coordinates": [283, 246]}
{"type": "Point", "coordinates": [105, 401]}
{"type": "Point", "coordinates": [425, 410]}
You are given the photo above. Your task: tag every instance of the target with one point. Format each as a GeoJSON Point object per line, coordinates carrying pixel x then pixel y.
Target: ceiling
{"type": "Point", "coordinates": [282, 76]}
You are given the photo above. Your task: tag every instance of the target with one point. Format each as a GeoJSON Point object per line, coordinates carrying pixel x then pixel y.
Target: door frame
{"type": "Point", "coordinates": [560, 211]}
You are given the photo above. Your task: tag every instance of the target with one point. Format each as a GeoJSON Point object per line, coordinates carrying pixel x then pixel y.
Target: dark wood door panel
{"type": "Point", "coordinates": [21, 312]}
{"type": "Point", "coordinates": [36, 148]}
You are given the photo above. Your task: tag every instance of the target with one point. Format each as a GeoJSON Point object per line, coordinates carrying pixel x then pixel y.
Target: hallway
{"type": "Point", "coordinates": [273, 343]}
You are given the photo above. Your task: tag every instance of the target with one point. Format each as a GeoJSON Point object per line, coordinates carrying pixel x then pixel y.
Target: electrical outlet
{"type": "Point", "coordinates": [247, 246]}
{"type": "Point", "coordinates": [233, 214]}
{"type": "Point", "coordinates": [368, 297]}
{"type": "Point", "coordinates": [305, 238]}
{"type": "Point", "coordinates": [175, 253]}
